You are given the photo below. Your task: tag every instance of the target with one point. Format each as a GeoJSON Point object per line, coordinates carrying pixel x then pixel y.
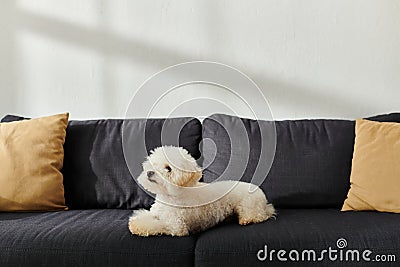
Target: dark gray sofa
{"type": "Point", "coordinates": [307, 183]}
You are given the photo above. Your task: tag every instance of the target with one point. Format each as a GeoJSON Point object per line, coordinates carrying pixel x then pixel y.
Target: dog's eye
{"type": "Point", "coordinates": [168, 168]}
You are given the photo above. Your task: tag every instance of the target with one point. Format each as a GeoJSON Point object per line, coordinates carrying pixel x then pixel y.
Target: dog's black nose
{"type": "Point", "coordinates": [150, 173]}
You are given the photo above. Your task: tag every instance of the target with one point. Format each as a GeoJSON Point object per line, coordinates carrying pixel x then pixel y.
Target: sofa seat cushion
{"type": "Point", "coordinates": [317, 229]}
{"type": "Point", "coordinates": [85, 238]}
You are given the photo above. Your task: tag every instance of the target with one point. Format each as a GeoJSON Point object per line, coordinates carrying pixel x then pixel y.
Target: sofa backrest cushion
{"type": "Point", "coordinates": [95, 171]}
{"type": "Point", "coordinates": [312, 162]}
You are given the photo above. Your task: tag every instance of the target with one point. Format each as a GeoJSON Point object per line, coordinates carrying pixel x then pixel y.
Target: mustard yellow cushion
{"type": "Point", "coordinates": [31, 157]}
{"type": "Point", "coordinates": [375, 174]}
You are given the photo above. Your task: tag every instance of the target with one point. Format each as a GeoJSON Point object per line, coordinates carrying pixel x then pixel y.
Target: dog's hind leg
{"type": "Point", "coordinates": [254, 209]}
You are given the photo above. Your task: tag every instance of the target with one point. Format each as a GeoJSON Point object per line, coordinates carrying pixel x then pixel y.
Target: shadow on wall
{"type": "Point", "coordinates": [296, 97]}
{"type": "Point", "coordinates": [111, 45]}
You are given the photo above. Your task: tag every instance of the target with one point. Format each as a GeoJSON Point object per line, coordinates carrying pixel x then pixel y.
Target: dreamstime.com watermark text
{"type": "Point", "coordinates": [338, 253]}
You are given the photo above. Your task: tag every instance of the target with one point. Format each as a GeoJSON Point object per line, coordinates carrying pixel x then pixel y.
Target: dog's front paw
{"type": "Point", "coordinates": [146, 224]}
{"type": "Point", "coordinates": [139, 225]}
{"type": "Point", "coordinates": [136, 228]}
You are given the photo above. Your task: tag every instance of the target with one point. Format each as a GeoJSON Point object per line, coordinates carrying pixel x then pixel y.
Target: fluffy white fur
{"type": "Point", "coordinates": [183, 205]}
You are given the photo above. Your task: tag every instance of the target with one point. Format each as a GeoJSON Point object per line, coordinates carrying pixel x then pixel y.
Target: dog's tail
{"type": "Point", "coordinates": [270, 211]}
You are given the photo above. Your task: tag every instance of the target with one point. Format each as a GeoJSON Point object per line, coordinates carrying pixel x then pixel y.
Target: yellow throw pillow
{"type": "Point", "coordinates": [31, 158]}
{"type": "Point", "coordinates": [375, 174]}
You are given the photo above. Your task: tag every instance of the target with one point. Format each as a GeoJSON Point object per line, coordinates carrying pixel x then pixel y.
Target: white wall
{"type": "Point", "coordinates": [332, 58]}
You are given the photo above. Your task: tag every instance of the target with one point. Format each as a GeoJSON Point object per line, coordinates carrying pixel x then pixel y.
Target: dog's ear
{"type": "Point", "coordinates": [191, 178]}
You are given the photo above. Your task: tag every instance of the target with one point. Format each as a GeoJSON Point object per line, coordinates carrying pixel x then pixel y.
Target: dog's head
{"type": "Point", "coordinates": [167, 168]}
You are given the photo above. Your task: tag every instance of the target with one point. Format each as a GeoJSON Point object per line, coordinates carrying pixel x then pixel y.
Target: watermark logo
{"type": "Point", "coordinates": [341, 243]}
{"type": "Point", "coordinates": [338, 253]}
{"type": "Point", "coordinates": [227, 88]}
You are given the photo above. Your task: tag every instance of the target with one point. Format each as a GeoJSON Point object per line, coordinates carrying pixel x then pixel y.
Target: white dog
{"type": "Point", "coordinates": [183, 205]}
